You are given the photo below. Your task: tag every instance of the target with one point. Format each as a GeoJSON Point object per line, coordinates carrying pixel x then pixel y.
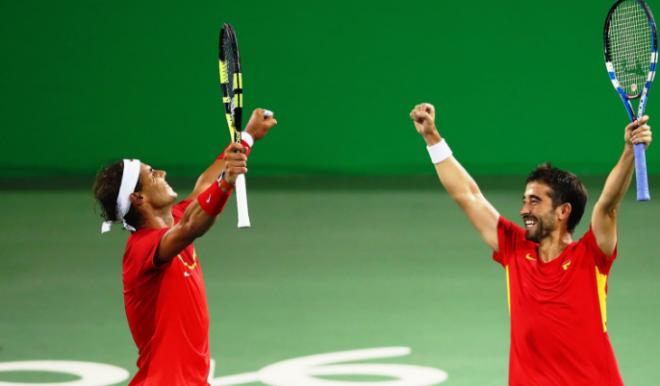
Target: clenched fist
{"type": "Point", "coordinates": [260, 123]}
{"type": "Point", "coordinates": [423, 116]}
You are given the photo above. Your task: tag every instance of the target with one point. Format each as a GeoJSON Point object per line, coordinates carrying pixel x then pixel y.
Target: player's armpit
{"type": "Point", "coordinates": [603, 225]}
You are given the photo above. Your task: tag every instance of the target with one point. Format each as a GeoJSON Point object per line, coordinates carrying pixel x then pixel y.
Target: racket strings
{"type": "Point", "coordinates": [231, 81]}
{"type": "Point", "coordinates": [230, 66]}
{"type": "Point", "coordinates": [630, 45]}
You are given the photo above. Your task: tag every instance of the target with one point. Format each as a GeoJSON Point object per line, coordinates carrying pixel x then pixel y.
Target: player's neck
{"type": "Point", "coordinates": [552, 246]}
{"type": "Point", "coordinates": [160, 218]}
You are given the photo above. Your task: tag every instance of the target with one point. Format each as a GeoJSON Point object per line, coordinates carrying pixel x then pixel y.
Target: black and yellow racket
{"type": "Point", "coordinates": [231, 82]}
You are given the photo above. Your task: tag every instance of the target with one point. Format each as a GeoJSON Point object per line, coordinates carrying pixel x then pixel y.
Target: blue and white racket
{"type": "Point", "coordinates": [631, 54]}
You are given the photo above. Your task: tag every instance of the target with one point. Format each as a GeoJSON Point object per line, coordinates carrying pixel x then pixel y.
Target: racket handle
{"type": "Point", "coordinates": [640, 173]}
{"type": "Point", "coordinates": [241, 202]}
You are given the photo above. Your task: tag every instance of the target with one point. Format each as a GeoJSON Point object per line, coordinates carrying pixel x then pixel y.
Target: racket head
{"type": "Point", "coordinates": [631, 52]}
{"type": "Point", "coordinates": [631, 47]}
{"type": "Point", "coordinates": [231, 80]}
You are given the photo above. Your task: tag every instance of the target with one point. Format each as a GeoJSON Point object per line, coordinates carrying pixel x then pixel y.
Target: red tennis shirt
{"type": "Point", "coordinates": [167, 311]}
{"type": "Point", "coordinates": [558, 312]}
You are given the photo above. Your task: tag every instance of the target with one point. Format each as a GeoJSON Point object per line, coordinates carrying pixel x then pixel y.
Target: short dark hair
{"type": "Point", "coordinates": [106, 188]}
{"type": "Point", "coordinates": [565, 188]}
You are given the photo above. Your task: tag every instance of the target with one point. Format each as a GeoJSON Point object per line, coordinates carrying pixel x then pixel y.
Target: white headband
{"type": "Point", "coordinates": [129, 180]}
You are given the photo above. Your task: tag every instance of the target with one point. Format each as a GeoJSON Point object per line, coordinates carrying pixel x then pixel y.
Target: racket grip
{"type": "Point", "coordinates": [241, 202]}
{"type": "Point", "coordinates": [640, 173]}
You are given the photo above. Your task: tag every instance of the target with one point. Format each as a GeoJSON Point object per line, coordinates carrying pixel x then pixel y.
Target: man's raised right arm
{"type": "Point", "coordinates": [200, 215]}
{"type": "Point", "coordinates": [459, 184]}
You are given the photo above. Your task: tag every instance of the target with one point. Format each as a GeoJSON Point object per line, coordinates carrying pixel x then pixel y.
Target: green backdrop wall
{"type": "Point", "coordinates": [515, 83]}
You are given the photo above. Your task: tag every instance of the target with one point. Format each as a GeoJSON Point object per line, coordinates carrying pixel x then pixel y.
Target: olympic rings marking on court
{"type": "Point", "coordinates": [301, 371]}
{"type": "Point", "coordinates": [91, 374]}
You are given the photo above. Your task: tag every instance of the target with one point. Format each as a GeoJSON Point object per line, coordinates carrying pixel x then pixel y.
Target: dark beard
{"type": "Point", "coordinates": [535, 237]}
{"type": "Point", "coordinates": [543, 229]}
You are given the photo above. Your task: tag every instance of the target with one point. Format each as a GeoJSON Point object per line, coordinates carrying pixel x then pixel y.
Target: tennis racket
{"type": "Point", "coordinates": [231, 82]}
{"type": "Point", "coordinates": [631, 54]}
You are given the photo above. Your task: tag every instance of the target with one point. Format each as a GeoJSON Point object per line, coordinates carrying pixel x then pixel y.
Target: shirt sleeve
{"type": "Point", "coordinates": [603, 261]}
{"type": "Point", "coordinates": [508, 235]}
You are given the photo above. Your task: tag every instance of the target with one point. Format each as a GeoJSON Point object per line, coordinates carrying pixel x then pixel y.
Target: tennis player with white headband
{"type": "Point", "coordinates": [164, 295]}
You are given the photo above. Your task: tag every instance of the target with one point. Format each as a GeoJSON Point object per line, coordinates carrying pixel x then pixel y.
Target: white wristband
{"type": "Point", "coordinates": [245, 136]}
{"type": "Point", "coordinates": [439, 152]}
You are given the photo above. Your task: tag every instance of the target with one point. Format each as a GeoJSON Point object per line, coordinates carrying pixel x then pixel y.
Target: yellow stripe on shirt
{"type": "Point", "coordinates": [508, 289]}
{"type": "Point", "coordinates": [601, 282]}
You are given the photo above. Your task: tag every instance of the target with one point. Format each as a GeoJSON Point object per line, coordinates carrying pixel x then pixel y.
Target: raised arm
{"type": "Point", "coordinates": [456, 180]}
{"type": "Point", "coordinates": [606, 210]}
{"type": "Point", "coordinates": [212, 191]}
{"type": "Point", "coordinates": [200, 214]}
{"type": "Point", "coordinates": [257, 128]}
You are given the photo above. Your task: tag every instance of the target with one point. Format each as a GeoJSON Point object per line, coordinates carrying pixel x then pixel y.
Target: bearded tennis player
{"type": "Point", "coordinates": [164, 294]}
{"type": "Point", "coordinates": [557, 286]}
